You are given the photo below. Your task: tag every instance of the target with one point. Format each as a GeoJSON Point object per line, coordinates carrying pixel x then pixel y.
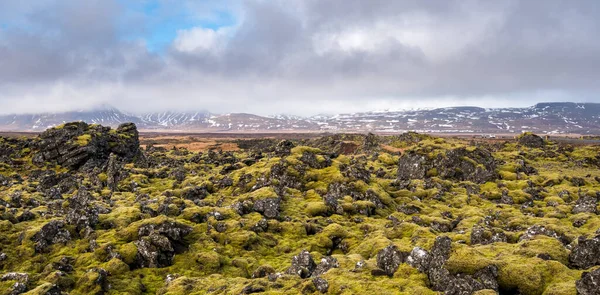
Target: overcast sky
{"type": "Point", "coordinates": [295, 56]}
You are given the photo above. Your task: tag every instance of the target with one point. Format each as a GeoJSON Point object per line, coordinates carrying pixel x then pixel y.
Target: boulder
{"type": "Point", "coordinates": [269, 207]}
{"type": "Point", "coordinates": [433, 264]}
{"type": "Point", "coordinates": [586, 253]}
{"type": "Point", "coordinates": [326, 264]}
{"type": "Point", "coordinates": [321, 284]}
{"type": "Point", "coordinates": [262, 271]}
{"type": "Point", "coordinates": [284, 148]}
{"type": "Point", "coordinates": [158, 243]}
{"type": "Point", "coordinates": [589, 284]}
{"type": "Point", "coordinates": [53, 232]}
{"type": "Point", "coordinates": [389, 259]}
{"type": "Point", "coordinates": [303, 265]}
{"type": "Point", "coordinates": [419, 259]}
{"type": "Point", "coordinates": [531, 140]}
{"type": "Point", "coordinates": [586, 203]}
{"type": "Point", "coordinates": [371, 142]}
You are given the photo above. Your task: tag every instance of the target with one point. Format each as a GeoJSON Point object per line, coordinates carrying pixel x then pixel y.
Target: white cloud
{"type": "Point", "coordinates": [201, 39]}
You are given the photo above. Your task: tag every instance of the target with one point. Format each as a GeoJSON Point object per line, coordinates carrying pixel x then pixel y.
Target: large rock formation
{"type": "Point", "coordinates": [78, 144]}
{"type": "Point", "coordinates": [531, 140]}
{"type": "Point", "coordinates": [477, 165]}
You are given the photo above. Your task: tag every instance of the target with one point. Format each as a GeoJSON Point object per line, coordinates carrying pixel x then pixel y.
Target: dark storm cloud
{"type": "Point", "coordinates": [305, 56]}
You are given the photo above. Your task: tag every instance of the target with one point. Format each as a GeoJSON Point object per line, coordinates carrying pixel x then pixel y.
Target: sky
{"type": "Point", "coordinates": [297, 57]}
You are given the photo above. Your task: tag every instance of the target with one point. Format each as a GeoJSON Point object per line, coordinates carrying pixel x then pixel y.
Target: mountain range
{"type": "Point", "coordinates": [549, 118]}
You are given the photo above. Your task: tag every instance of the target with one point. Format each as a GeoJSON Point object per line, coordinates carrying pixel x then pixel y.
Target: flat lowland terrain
{"type": "Point", "coordinates": [92, 210]}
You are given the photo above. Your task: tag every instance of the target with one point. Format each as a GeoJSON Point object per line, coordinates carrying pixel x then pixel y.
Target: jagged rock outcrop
{"type": "Point", "coordinates": [77, 144]}
{"type": "Point", "coordinates": [283, 148]}
{"type": "Point", "coordinates": [321, 284]}
{"type": "Point", "coordinates": [586, 253]}
{"type": "Point", "coordinates": [586, 203]}
{"type": "Point", "coordinates": [303, 265]}
{"type": "Point", "coordinates": [433, 264]}
{"type": "Point", "coordinates": [81, 211]}
{"type": "Point", "coordinates": [326, 264]}
{"type": "Point", "coordinates": [53, 232]}
{"type": "Point", "coordinates": [269, 207]}
{"type": "Point", "coordinates": [531, 140]}
{"type": "Point", "coordinates": [461, 164]}
{"type": "Point", "coordinates": [389, 259]}
{"type": "Point", "coordinates": [158, 243]}
{"type": "Point", "coordinates": [589, 284]}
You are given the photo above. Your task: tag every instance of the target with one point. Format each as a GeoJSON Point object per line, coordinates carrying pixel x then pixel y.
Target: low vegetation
{"type": "Point", "coordinates": [84, 210]}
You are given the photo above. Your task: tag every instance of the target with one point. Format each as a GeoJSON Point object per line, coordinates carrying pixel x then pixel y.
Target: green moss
{"type": "Point", "coordinates": [83, 140]}
{"type": "Point", "coordinates": [316, 209]}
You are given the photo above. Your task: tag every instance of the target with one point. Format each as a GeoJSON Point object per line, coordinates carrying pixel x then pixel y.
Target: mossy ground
{"type": "Point", "coordinates": [222, 262]}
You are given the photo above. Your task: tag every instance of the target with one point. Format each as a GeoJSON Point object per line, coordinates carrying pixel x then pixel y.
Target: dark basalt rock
{"type": "Point", "coordinates": [409, 209]}
{"type": "Point", "coordinates": [26, 216]}
{"type": "Point", "coordinates": [4, 181]}
{"type": "Point", "coordinates": [370, 143]}
{"type": "Point", "coordinates": [20, 286]}
{"type": "Point", "coordinates": [321, 284]}
{"type": "Point", "coordinates": [412, 166]}
{"type": "Point", "coordinates": [158, 243]}
{"type": "Point", "coordinates": [81, 211]}
{"type": "Point", "coordinates": [586, 253]}
{"type": "Point", "coordinates": [53, 232]}
{"type": "Point", "coordinates": [268, 207]}
{"type": "Point", "coordinates": [483, 236]}
{"type": "Point", "coordinates": [65, 264]}
{"type": "Point", "coordinates": [284, 179]}
{"type": "Point", "coordinates": [459, 164]}
{"type": "Point", "coordinates": [523, 167]}
{"type": "Point", "coordinates": [531, 140]}
{"type": "Point", "coordinates": [586, 203]}
{"type": "Point", "coordinates": [113, 172]}
{"type": "Point", "coordinates": [389, 259]}
{"type": "Point", "coordinates": [419, 259]}
{"type": "Point", "coordinates": [78, 144]}
{"type": "Point", "coordinates": [326, 264]}
{"type": "Point", "coordinates": [311, 160]}
{"type": "Point", "coordinates": [542, 230]}
{"type": "Point", "coordinates": [589, 284]}
{"type": "Point", "coordinates": [195, 193]}
{"type": "Point", "coordinates": [303, 265]}
{"type": "Point", "coordinates": [433, 264]}
{"type": "Point", "coordinates": [356, 172]}
{"type": "Point", "coordinates": [284, 148]}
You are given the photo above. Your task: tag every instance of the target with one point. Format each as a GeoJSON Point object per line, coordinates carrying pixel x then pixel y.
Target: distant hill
{"type": "Point", "coordinates": [553, 118]}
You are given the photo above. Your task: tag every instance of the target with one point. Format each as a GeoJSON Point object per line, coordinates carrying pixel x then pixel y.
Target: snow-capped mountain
{"type": "Point", "coordinates": [581, 118]}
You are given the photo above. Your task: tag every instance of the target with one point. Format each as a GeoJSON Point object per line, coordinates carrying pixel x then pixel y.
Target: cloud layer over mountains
{"type": "Point", "coordinates": [295, 56]}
